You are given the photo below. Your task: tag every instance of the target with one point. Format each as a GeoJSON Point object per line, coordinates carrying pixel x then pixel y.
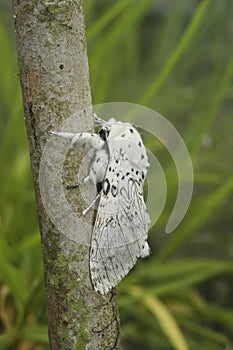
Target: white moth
{"type": "Point", "coordinates": [118, 168]}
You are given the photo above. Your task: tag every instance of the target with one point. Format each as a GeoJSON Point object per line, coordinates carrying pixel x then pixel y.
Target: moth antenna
{"type": "Point", "coordinates": [99, 121]}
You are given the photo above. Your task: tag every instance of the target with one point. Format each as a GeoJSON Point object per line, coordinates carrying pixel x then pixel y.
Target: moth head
{"type": "Point", "coordinates": [104, 132]}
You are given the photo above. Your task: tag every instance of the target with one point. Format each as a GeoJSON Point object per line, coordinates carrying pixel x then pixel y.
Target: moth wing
{"type": "Point", "coordinates": [121, 227]}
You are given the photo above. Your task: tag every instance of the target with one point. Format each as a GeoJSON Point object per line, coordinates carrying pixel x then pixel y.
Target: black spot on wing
{"type": "Point", "coordinates": [106, 187]}
{"type": "Point", "coordinates": [114, 190]}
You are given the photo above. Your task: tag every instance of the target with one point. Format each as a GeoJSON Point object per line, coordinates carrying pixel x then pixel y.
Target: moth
{"type": "Point", "coordinates": [118, 168]}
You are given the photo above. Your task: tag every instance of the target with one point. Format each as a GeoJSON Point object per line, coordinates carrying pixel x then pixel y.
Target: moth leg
{"type": "Point", "coordinates": [98, 120]}
{"type": "Point", "coordinates": [90, 206]}
{"type": "Point", "coordinates": [71, 187]}
{"type": "Point", "coordinates": [85, 180]}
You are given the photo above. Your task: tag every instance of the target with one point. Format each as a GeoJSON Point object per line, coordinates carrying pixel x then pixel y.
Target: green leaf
{"type": "Point", "coordinates": [164, 317]}
{"type": "Point", "coordinates": [167, 322]}
{"type": "Point", "coordinates": [174, 57]}
{"type": "Point", "coordinates": [12, 276]}
{"type": "Point", "coordinates": [36, 333]}
{"type": "Point", "coordinates": [128, 18]}
{"type": "Point", "coordinates": [107, 17]}
{"type": "Point", "coordinates": [192, 221]}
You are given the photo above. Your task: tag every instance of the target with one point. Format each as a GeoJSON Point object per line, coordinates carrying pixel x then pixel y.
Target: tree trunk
{"type": "Point", "coordinates": [54, 77]}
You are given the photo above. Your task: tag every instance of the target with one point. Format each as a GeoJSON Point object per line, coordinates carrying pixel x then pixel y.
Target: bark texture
{"type": "Point", "coordinates": [54, 76]}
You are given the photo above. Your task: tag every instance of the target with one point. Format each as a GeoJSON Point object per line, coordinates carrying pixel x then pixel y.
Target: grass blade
{"type": "Point", "coordinates": [174, 57]}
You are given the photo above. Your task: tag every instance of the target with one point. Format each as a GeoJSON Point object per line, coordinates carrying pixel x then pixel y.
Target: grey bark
{"type": "Point", "coordinates": [54, 76]}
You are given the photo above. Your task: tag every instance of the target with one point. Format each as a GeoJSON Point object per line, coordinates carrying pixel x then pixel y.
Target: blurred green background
{"type": "Point", "coordinates": [175, 56]}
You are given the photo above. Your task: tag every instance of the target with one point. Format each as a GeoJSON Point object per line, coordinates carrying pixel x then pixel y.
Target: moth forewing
{"type": "Point", "coordinates": [121, 228]}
